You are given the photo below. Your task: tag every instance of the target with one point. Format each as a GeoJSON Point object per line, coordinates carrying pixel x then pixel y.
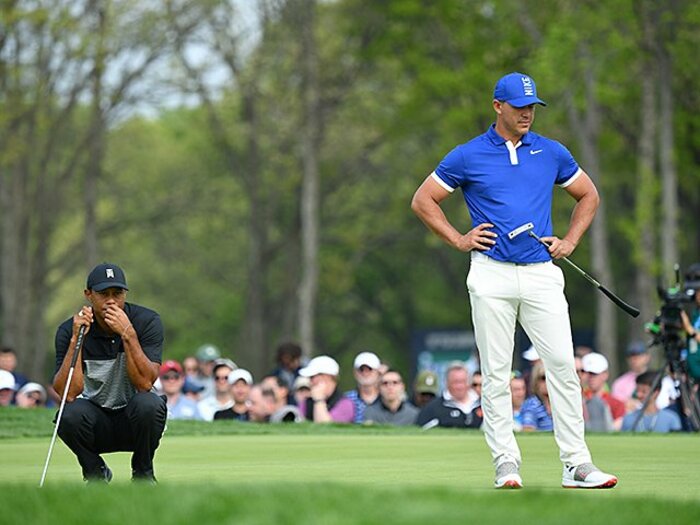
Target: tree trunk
{"type": "Point", "coordinates": [589, 134]}
{"type": "Point", "coordinates": [645, 247]}
{"type": "Point", "coordinates": [667, 165]}
{"type": "Point", "coordinates": [310, 192]}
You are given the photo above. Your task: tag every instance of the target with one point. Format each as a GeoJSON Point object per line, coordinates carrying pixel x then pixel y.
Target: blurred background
{"type": "Point", "coordinates": [250, 164]}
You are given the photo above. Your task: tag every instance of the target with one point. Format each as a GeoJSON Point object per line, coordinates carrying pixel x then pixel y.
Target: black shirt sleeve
{"type": "Point", "coordinates": [151, 338]}
{"type": "Point", "coordinates": [62, 341]}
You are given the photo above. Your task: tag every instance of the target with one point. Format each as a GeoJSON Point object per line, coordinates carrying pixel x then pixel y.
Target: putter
{"type": "Point", "coordinates": [631, 310]}
{"type": "Point", "coordinates": [78, 345]}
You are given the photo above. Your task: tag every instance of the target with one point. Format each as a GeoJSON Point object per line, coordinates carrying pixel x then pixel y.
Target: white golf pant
{"type": "Point", "coordinates": [501, 294]}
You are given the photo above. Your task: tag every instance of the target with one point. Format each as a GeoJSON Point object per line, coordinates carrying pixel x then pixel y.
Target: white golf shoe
{"type": "Point", "coordinates": [586, 476]}
{"type": "Point", "coordinates": [508, 476]}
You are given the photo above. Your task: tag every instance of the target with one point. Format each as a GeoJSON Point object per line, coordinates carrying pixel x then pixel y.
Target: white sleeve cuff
{"type": "Point", "coordinates": [442, 182]}
{"type": "Point", "coordinates": [572, 179]}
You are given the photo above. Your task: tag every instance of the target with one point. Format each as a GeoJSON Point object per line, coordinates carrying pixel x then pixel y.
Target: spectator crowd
{"type": "Point", "coordinates": [210, 387]}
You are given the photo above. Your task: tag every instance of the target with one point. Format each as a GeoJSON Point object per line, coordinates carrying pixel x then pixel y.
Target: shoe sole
{"type": "Point", "coordinates": [583, 485]}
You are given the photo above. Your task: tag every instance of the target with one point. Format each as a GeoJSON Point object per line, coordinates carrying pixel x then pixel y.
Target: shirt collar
{"type": "Point", "coordinates": [497, 140]}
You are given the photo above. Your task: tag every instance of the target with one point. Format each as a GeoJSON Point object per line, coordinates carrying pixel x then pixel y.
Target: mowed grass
{"type": "Point", "coordinates": [275, 474]}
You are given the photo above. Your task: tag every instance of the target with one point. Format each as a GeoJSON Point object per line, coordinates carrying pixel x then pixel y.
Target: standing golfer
{"type": "Point", "coordinates": [507, 175]}
{"type": "Point", "coordinates": [112, 405]}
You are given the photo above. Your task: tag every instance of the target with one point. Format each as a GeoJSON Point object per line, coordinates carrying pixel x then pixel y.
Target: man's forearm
{"type": "Point", "coordinates": [581, 218]}
{"type": "Point", "coordinates": [142, 371]}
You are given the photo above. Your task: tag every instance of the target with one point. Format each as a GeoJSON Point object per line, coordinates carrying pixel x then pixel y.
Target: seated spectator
{"type": "Point", "coordinates": [222, 398]}
{"type": "Point", "coordinates": [366, 370]}
{"type": "Point", "coordinates": [241, 381]}
{"type": "Point", "coordinates": [206, 355]}
{"type": "Point", "coordinates": [192, 390]}
{"type": "Point", "coordinates": [326, 404]}
{"type": "Point", "coordinates": [261, 404]}
{"type": "Point", "coordinates": [172, 380]}
{"type": "Point", "coordinates": [288, 365]}
{"type": "Point", "coordinates": [536, 412]}
{"type": "Point", "coordinates": [518, 393]}
{"type": "Point", "coordinates": [476, 382]}
{"type": "Point", "coordinates": [7, 388]}
{"type": "Point", "coordinates": [426, 387]}
{"type": "Point", "coordinates": [280, 388]}
{"type": "Point", "coordinates": [638, 358]}
{"type": "Point", "coordinates": [457, 407]}
{"type": "Point", "coordinates": [190, 366]}
{"type": "Point", "coordinates": [391, 408]}
{"type": "Point", "coordinates": [8, 361]}
{"type": "Point", "coordinates": [31, 395]}
{"type": "Point", "coordinates": [605, 412]}
{"type": "Point", "coordinates": [653, 419]}
{"type": "Point", "coordinates": [302, 390]}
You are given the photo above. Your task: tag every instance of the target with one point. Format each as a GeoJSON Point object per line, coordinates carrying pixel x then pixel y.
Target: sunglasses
{"type": "Point", "coordinates": [541, 378]}
{"type": "Point", "coordinates": [394, 382]}
{"type": "Point", "coordinates": [476, 384]}
{"type": "Point", "coordinates": [221, 378]}
{"type": "Point", "coordinates": [170, 377]}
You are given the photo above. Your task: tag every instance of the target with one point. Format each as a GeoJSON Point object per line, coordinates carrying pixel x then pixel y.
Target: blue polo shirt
{"type": "Point", "coordinates": [509, 186]}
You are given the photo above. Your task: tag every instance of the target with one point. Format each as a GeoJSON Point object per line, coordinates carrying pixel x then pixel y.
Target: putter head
{"type": "Point", "coordinates": [527, 227]}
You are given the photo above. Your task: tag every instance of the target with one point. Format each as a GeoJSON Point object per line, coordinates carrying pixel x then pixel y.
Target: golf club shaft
{"type": "Point", "coordinates": [78, 345]}
{"type": "Point", "coordinates": [631, 310]}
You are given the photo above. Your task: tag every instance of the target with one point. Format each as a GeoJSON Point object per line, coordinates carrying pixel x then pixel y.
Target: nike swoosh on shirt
{"type": "Point", "coordinates": [535, 151]}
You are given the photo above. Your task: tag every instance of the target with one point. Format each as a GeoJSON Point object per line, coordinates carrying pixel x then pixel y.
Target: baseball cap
{"type": "Point", "coordinates": [169, 366]}
{"type": "Point", "coordinates": [636, 348]}
{"type": "Point", "coordinates": [238, 374]}
{"type": "Point", "coordinates": [224, 361]}
{"type": "Point", "coordinates": [7, 380]}
{"type": "Point", "coordinates": [192, 386]}
{"type": "Point", "coordinates": [208, 353]}
{"type": "Point", "coordinates": [106, 275]}
{"type": "Point", "coordinates": [531, 354]}
{"type": "Point", "coordinates": [322, 364]}
{"type": "Point", "coordinates": [301, 382]}
{"type": "Point", "coordinates": [32, 387]}
{"type": "Point", "coordinates": [367, 359]}
{"type": "Point", "coordinates": [594, 363]}
{"type": "Point", "coordinates": [517, 89]}
{"type": "Point", "coordinates": [427, 383]}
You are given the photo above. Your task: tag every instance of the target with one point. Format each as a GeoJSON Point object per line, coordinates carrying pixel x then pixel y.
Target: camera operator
{"type": "Point", "coordinates": [691, 324]}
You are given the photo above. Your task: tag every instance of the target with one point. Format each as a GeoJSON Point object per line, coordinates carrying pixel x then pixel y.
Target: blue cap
{"type": "Point", "coordinates": [517, 89]}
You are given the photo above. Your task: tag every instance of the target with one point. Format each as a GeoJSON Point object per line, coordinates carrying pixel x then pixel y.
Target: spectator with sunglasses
{"type": "Point", "coordinates": [31, 395]}
{"type": "Point", "coordinates": [222, 398]}
{"type": "Point", "coordinates": [172, 379]}
{"type": "Point", "coordinates": [392, 408]}
{"type": "Point", "coordinates": [366, 369]}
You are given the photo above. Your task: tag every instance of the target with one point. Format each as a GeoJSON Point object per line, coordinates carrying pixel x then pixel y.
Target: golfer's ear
{"type": "Point", "coordinates": [497, 105]}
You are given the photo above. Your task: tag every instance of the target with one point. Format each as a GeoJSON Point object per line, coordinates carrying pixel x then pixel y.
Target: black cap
{"type": "Point", "coordinates": [105, 276]}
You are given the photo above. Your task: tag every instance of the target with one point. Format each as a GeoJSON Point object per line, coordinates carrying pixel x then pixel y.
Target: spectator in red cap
{"type": "Point", "coordinates": [172, 379]}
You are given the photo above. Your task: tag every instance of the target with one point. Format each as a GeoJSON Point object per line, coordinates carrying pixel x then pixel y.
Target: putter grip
{"type": "Point", "coordinates": [78, 346]}
{"type": "Point", "coordinates": [631, 310]}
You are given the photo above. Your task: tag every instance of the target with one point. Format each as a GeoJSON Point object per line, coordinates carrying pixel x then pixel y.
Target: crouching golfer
{"type": "Point", "coordinates": [111, 404]}
{"type": "Point", "coordinates": [507, 175]}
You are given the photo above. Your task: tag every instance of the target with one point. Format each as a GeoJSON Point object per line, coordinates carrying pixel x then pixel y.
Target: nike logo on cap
{"type": "Point", "coordinates": [535, 151]}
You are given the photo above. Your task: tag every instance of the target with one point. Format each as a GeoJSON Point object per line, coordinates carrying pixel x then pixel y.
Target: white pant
{"type": "Point", "coordinates": [501, 294]}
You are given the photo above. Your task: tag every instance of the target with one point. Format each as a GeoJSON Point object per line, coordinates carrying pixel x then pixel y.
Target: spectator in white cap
{"type": "Point", "coordinates": [7, 388]}
{"type": "Point", "coordinates": [605, 412]}
{"type": "Point", "coordinates": [31, 395]}
{"type": "Point", "coordinates": [366, 370]}
{"type": "Point", "coordinates": [326, 404]}
{"type": "Point", "coordinates": [241, 381]}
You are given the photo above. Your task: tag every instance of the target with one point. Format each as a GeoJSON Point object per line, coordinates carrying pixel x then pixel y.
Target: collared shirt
{"type": "Point", "coordinates": [184, 408]}
{"type": "Point", "coordinates": [535, 416]}
{"type": "Point", "coordinates": [510, 186]}
{"type": "Point", "coordinates": [665, 420]}
{"type": "Point", "coordinates": [380, 413]}
{"type": "Point", "coordinates": [106, 381]}
{"type": "Point", "coordinates": [359, 404]}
